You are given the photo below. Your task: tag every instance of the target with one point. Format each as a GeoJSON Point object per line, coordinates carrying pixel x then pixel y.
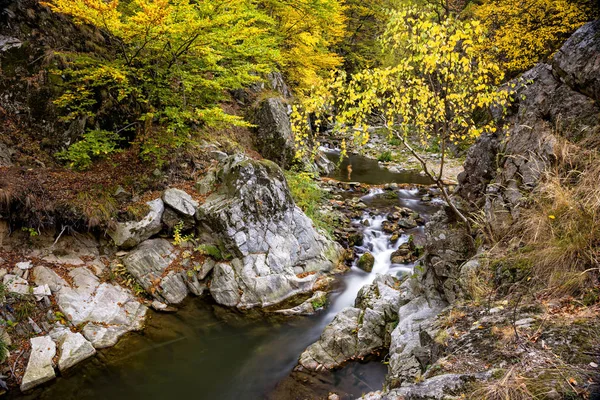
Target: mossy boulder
{"type": "Point", "coordinates": [366, 262]}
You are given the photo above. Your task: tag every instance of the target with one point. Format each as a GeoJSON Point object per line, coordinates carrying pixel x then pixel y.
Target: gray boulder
{"type": "Point", "coordinates": [357, 331]}
{"type": "Point", "coordinates": [15, 284]}
{"type": "Point", "coordinates": [275, 251]}
{"type": "Point", "coordinates": [447, 247]}
{"type": "Point", "coordinates": [412, 335]}
{"type": "Point", "coordinates": [148, 264]}
{"type": "Point", "coordinates": [576, 63]}
{"type": "Point", "coordinates": [274, 138]}
{"type": "Point", "coordinates": [40, 367]}
{"type": "Point", "coordinates": [180, 201]}
{"type": "Point", "coordinates": [439, 387]}
{"type": "Point", "coordinates": [44, 276]}
{"type": "Point", "coordinates": [129, 234]}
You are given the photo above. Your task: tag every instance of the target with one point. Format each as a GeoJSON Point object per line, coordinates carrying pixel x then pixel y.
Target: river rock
{"type": "Point", "coordinates": [39, 367]}
{"type": "Point", "coordinates": [389, 227]}
{"type": "Point", "coordinates": [108, 311]}
{"type": "Point", "coordinates": [406, 253]}
{"type": "Point", "coordinates": [275, 251]}
{"type": "Point", "coordinates": [129, 234]}
{"type": "Point", "coordinates": [357, 331]}
{"type": "Point", "coordinates": [410, 337]}
{"type": "Point", "coordinates": [74, 348]}
{"type": "Point", "coordinates": [274, 137]}
{"type": "Point", "coordinates": [366, 262]}
{"type": "Point", "coordinates": [148, 263]}
{"type": "Point", "coordinates": [439, 387]}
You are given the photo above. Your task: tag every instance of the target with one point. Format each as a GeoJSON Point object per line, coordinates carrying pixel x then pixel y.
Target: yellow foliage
{"type": "Point", "coordinates": [309, 29]}
{"type": "Point", "coordinates": [439, 85]}
{"type": "Point", "coordinates": [524, 32]}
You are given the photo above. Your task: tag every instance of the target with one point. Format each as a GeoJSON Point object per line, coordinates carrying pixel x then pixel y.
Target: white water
{"type": "Point", "coordinates": [377, 242]}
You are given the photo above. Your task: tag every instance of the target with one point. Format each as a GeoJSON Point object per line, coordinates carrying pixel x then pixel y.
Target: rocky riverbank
{"type": "Point", "coordinates": [241, 239]}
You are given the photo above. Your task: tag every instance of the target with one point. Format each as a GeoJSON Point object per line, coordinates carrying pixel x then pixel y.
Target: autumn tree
{"type": "Point", "coordinates": [439, 87]}
{"type": "Point", "coordinates": [171, 63]}
{"type": "Point", "coordinates": [365, 23]}
{"type": "Point", "coordinates": [524, 32]}
{"type": "Point", "coordinates": [308, 30]}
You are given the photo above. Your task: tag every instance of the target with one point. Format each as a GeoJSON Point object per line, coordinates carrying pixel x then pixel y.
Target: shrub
{"type": "Point", "coordinates": [95, 144]}
{"type": "Point", "coordinates": [212, 251]}
{"type": "Point", "coordinates": [309, 197]}
{"type": "Point", "coordinates": [386, 156]}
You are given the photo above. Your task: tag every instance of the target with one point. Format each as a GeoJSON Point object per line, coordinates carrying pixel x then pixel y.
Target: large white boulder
{"type": "Point", "coordinates": [39, 367]}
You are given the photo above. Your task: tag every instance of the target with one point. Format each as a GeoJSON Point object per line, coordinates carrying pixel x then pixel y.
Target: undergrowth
{"type": "Point", "coordinates": [560, 228]}
{"type": "Point", "coordinates": [309, 197]}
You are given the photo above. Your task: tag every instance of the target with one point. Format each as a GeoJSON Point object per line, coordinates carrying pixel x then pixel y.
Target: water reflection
{"type": "Point", "coordinates": [355, 168]}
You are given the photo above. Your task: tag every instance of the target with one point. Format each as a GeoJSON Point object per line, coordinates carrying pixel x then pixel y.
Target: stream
{"type": "Point", "coordinates": [209, 352]}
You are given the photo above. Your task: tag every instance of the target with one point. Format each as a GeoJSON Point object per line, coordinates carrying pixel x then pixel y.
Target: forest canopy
{"type": "Point", "coordinates": [170, 64]}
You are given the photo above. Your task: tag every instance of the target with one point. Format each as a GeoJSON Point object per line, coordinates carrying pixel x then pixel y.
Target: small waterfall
{"type": "Point", "coordinates": [377, 242]}
{"type": "Point", "coordinates": [372, 193]}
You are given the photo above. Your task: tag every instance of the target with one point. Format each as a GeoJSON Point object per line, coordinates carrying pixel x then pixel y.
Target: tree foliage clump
{"type": "Point", "coordinates": [308, 31]}
{"type": "Point", "coordinates": [172, 63]}
{"type": "Point", "coordinates": [365, 22]}
{"type": "Point", "coordinates": [524, 32]}
{"type": "Point", "coordinates": [439, 86]}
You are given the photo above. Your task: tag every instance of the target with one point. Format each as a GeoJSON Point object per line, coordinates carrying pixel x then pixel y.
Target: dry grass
{"type": "Point", "coordinates": [511, 386]}
{"type": "Point", "coordinates": [562, 227]}
{"type": "Point", "coordinates": [516, 384]}
{"type": "Point", "coordinates": [452, 318]}
{"type": "Point", "coordinates": [506, 334]}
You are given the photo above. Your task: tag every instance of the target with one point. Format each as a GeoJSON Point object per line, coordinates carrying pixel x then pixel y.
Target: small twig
{"type": "Point", "coordinates": [12, 370]}
{"type": "Point", "coordinates": [59, 235]}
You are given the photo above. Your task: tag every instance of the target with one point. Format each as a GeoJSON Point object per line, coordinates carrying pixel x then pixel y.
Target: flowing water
{"type": "Point", "coordinates": [207, 352]}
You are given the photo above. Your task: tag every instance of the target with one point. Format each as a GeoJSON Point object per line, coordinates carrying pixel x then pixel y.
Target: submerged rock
{"type": "Point", "coordinates": [130, 234]}
{"type": "Point", "coordinates": [275, 251]}
{"type": "Point", "coordinates": [309, 307]}
{"type": "Point", "coordinates": [40, 367]}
